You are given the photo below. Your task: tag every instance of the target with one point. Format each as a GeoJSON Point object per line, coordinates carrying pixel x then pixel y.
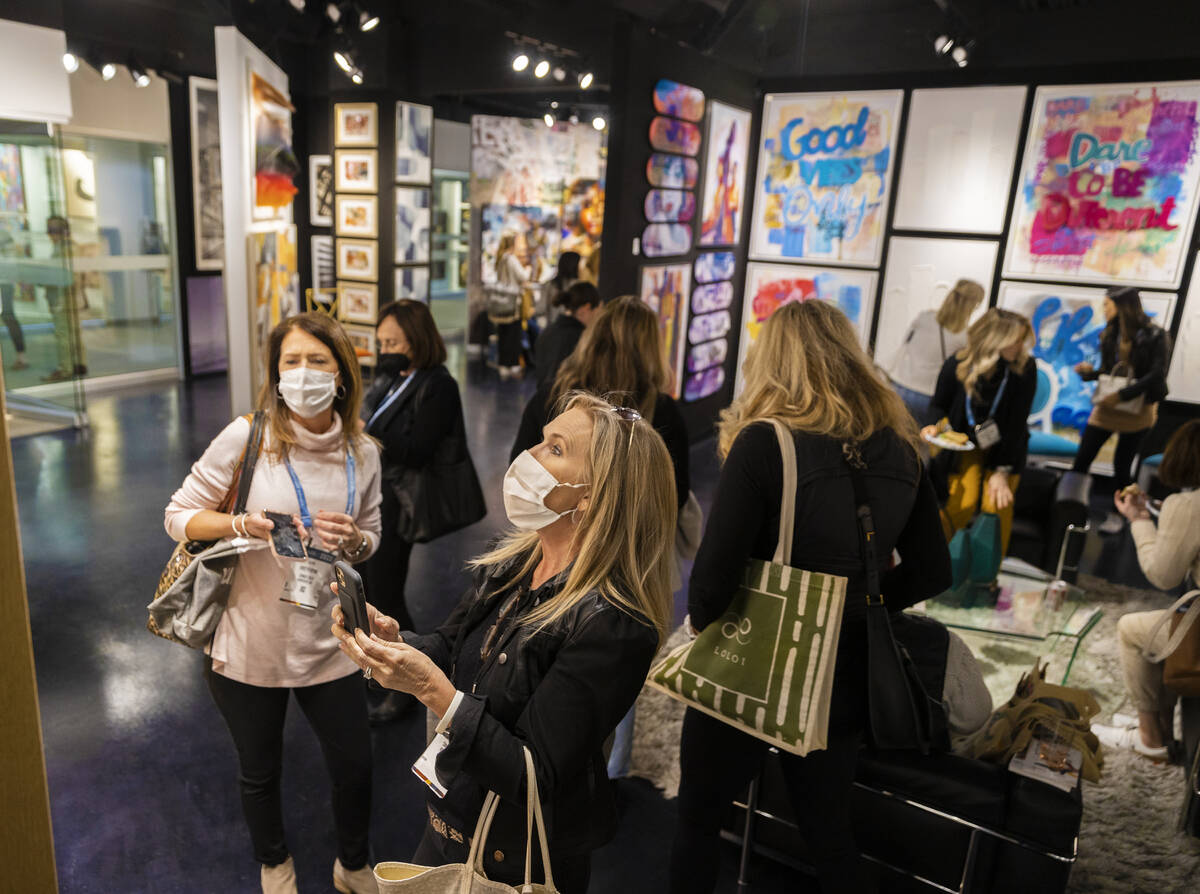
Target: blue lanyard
{"type": "Point", "coordinates": [995, 402]}
{"type": "Point", "coordinates": [390, 399]}
{"type": "Point", "coordinates": [305, 516]}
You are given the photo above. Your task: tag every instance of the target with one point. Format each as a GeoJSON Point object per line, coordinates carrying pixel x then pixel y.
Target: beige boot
{"type": "Point", "coordinates": [358, 881]}
{"type": "Point", "coordinates": [280, 879]}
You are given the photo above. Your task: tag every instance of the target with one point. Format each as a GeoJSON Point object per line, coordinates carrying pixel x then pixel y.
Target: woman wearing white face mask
{"type": "Point", "coordinates": [273, 638]}
{"type": "Point", "coordinates": [549, 648]}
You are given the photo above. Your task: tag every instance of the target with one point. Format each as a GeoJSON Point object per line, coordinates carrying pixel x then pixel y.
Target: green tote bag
{"type": "Point", "coordinates": [766, 666]}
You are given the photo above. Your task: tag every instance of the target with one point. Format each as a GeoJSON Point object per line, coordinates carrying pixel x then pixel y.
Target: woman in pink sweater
{"type": "Point", "coordinates": [273, 638]}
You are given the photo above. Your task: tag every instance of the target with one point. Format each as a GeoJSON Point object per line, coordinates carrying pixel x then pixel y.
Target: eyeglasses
{"type": "Point", "coordinates": [625, 414]}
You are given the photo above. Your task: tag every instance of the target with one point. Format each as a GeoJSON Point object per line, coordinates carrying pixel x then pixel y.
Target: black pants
{"type": "Point", "coordinates": [718, 761]}
{"type": "Point", "coordinates": [337, 712]}
{"type": "Point", "coordinates": [386, 572]}
{"type": "Point", "coordinates": [509, 348]}
{"type": "Point", "coordinates": [1127, 449]}
{"type": "Point", "coordinates": [9, 315]}
{"type": "Point", "coordinates": [571, 874]}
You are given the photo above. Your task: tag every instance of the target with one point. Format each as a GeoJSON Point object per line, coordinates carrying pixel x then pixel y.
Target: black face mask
{"type": "Point", "coordinates": [393, 364]}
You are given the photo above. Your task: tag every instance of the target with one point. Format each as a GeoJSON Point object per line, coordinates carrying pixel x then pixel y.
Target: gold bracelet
{"type": "Point", "coordinates": [361, 547]}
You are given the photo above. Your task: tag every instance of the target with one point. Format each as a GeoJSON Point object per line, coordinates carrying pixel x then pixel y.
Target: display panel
{"type": "Point", "coordinates": [207, 205]}
{"type": "Point", "coordinates": [824, 176]}
{"type": "Point", "coordinates": [412, 282]}
{"type": "Point", "coordinates": [678, 100]}
{"type": "Point", "coordinates": [725, 175]}
{"type": "Point", "coordinates": [715, 266]}
{"type": "Point", "coordinates": [412, 225]}
{"type": "Point", "coordinates": [673, 135]}
{"type": "Point", "coordinates": [664, 288]}
{"type": "Point", "coordinates": [672, 171]}
{"type": "Point", "coordinates": [414, 143]}
{"type": "Point", "coordinates": [668, 205]}
{"type": "Point", "coordinates": [662, 240]}
{"type": "Point", "coordinates": [1184, 379]}
{"type": "Point", "coordinates": [1108, 185]}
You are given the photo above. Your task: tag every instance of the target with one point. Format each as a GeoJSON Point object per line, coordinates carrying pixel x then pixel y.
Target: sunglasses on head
{"type": "Point", "coordinates": [625, 414]}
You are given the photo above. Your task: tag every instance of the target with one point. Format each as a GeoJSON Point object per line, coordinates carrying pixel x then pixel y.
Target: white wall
{"type": "Point", "coordinates": [451, 145]}
{"type": "Point", "coordinates": [119, 108]}
{"type": "Point", "coordinates": [33, 82]}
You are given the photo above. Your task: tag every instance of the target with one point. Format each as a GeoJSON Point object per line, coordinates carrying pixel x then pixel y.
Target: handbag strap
{"type": "Point", "coordinates": [787, 499]}
{"type": "Point", "coordinates": [1179, 633]}
{"type": "Point", "coordinates": [235, 498]}
{"type": "Point", "coordinates": [866, 524]}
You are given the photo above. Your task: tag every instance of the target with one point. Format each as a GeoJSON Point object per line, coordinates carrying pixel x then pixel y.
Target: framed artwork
{"type": "Point", "coordinates": [669, 205]}
{"type": "Point", "coordinates": [673, 135]}
{"type": "Point", "coordinates": [960, 150]}
{"type": "Point", "coordinates": [355, 124]}
{"type": "Point", "coordinates": [707, 355]}
{"type": "Point", "coordinates": [665, 289]}
{"type": "Point", "coordinates": [536, 228]}
{"type": "Point", "coordinates": [323, 274]}
{"type": "Point", "coordinates": [661, 240]}
{"type": "Point", "coordinates": [412, 282]}
{"type": "Point", "coordinates": [714, 266]}
{"type": "Point", "coordinates": [357, 259]}
{"type": "Point", "coordinates": [1108, 185]}
{"type": "Point", "coordinates": [672, 171]}
{"type": "Point", "coordinates": [413, 232]}
{"type": "Point", "coordinates": [724, 175]}
{"type": "Point", "coordinates": [711, 297]}
{"type": "Point", "coordinates": [208, 210]}
{"type": "Point", "coordinates": [824, 176]}
{"type": "Point", "coordinates": [1067, 323]}
{"type": "Point", "coordinates": [414, 143]}
{"type": "Point", "coordinates": [678, 100]}
{"type": "Point", "coordinates": [769, 286]}
{"type": "Point", "coordinates": [919, 274]}
{"type": "Point", "coordinates": [357, 216]}
{"type": "Point", "coordinates": [320, 190]}
{"type": "Point", "coordinates": [12, 184]}
{"type": "Point", "coordinates": [274, 285]}
{"type": "Point", "coordinates": [275, 163]}
{"type": "Point", "coordinates": [363, 340]}
{"type": "Point", "coordinates": [358, 302]}
{"type": "Point", "coordinates": [356, 170]}
{"type": "Point", "coordinates": [1184, 377]}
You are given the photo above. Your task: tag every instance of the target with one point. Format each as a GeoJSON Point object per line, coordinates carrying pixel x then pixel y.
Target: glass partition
{"type": "Point", "coordinates": [451, 227]}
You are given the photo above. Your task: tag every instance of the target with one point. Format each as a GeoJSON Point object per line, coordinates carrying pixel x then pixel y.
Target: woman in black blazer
{"type": "Point", "coordinates": [411, 408]}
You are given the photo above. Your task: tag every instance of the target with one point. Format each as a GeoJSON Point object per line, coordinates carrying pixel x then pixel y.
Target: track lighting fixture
{"type": "Point", "coordinates": [356, 76]}
{"type": "Point", "coordinates": [599, 123]}
{"type": "Point", "coordinates": [549, 119]}
{"type": "Point", "coordinates": [141, 77]}
{"type": "Point", "coordinates": [367, 21]}
{"type": "Point", "coordinates": [560, 73]}
{"type": "Point", "coordinates": [942, 44]}
{"type": "Point", "coordinates": [585, 80]}
{"type": "Point", "coordinates": [541, 69]}
{"type": "Point", "coordinates": [70, 62]}
{"type": "Point", "coordinates": [344, 61]}
{"type": "Point", "coordinates": [520, 62]}
{"type": "Point", "coordinates": [959, 55]}
{"type": "Point", "coordinates": [297, 5]}
{"type": "Point", "coordinates": [333, 12]}
{"type": "Point", "coordinates": [573, 117]}
{"type": "Point", "coordinates": [108, 71]}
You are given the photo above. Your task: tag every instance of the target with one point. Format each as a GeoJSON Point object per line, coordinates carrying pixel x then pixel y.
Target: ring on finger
{"type": "Point", "coordinates": [367, 673]}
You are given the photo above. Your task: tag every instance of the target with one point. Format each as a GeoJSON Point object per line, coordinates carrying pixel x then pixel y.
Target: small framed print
{"type": "Point", "coordinates": [322, 263]}
{"type": "Point", "coordinates": [358, 302]}
{"type": "Point", "coordinates": [355, 124]}
{"type": "Point", "coordinates": [320, 190]}
{"type": "Point", "coordinates": [357, 216]}
{"type": "Point", "coordinates": [413, 282]}
{"type": "Point", "coordinates": [357, 259]}
{"type": "Point", "coordinates": [356, 170]}
{"type": "Point", "coordinates": [363, 340]}
{"type": "Point", "coordinates": [414, 143]}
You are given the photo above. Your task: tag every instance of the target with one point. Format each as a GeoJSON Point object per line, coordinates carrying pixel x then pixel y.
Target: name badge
{"type": "Point", "coordinates": [987, 435]}
{"type": "Point", "coordinates": [306, 579]}
{"type": "Point", "coordinates": [426, 766]}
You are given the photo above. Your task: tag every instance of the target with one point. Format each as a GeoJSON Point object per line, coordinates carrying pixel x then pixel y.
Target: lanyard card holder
{"type": "Point", "coordinates": [986, 434]}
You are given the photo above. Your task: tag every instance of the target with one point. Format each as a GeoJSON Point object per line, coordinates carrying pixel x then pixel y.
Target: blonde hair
{"type": "Point", "coordinates": [624, 538]}
{"type": "Point", "coordinates": [808, 370]}
{"type": "Point", "coordinates": [991, 334]}
{"type": "Point", "coordinates": [960, 302]}
{"type": "Point", "coordinates": [508, 244]}
{"type": "Point", "coordinates": [620, 353]}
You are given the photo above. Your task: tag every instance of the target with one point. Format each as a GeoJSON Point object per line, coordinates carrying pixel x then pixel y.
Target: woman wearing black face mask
{"type": "Point", "coordinates": [411, 407]}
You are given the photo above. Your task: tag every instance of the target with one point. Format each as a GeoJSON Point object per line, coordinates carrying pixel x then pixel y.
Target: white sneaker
{"type": "Point", "coordinates": [1113, 524]}
{"type": "Point", "coordinates": [358, 881]}
{"type": "Point", "coordinates": [505, 374]}
{"type": "Point", "coordinates": [1128, 737]}
{"type": "Point", "coordinates": [279, 879]}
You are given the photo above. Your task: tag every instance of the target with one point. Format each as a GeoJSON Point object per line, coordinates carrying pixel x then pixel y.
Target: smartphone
{"type": "Point", "coordinates": [284, 537]}
{"type": "Point", "coordinates": [352, 596]}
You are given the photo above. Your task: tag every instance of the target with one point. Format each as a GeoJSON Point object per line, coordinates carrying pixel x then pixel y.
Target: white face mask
{"type": "Point", "coordinates": [307, 392]}
{"type": "Point", "coordinates": [527, 483]}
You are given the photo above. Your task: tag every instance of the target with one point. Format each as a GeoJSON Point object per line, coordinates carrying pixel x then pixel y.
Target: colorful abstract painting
{"type": "Point", "coordinates": [12, 188]}
{"type": "Point", "coordinates": [274, 281]}
{"type": "Point", "coordinates": [414, 143]}
{"type": "Point", "coordinates": [704, 384]}
{"type": "Point", "coordinates": [709, 326]}
{"type": "Point", "coordinates": [724, 175]}
{"type": "Point", "coordinates": [716, 296]}
{"type": "Point", "coordinates": [672, 171]}
{"type": "Point", "coordinates": [665, 289]}
{"type": "Point", "coordinates": [769, 286]}
{"type": "Point", "coordinates": [678, 100]}
{"type": "Point", "coordinates": [711, 353]}
{"type": "Point", "coordinates": [535, 228]}
{"type": "Point", "coordinates": [715, 266]}
{"type": "Point", "coordinates": [824, 176]}
{"type": "Point", "coordinates": [275, 163]}
{"type": "Point", "coordinates": [664, 240]}
{"type": "Point", "coordinates": [673, 135]}
{"type": "Point", "coordinates": [1068, 321]}
{"type": "Point", "coordinates": [1109, 185]}
{"type": "Point", "coordinates": [667, 205]}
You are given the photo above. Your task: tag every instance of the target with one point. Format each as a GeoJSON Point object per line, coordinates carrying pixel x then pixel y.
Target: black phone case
{"type": "Point", "coordinates": [351, 596]}
{"type": "Point", "coordinates": [283, 522]}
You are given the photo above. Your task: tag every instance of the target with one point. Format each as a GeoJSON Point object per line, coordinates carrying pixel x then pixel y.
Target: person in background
{"type": "Point", "coordinates": [68, 338]}
{"type": "Point", "coordinates": [410, 409]}
{"type": "Point", "coordinates": [1132, 341]}
{"type": "Point", "coordinates": [808, 370]}
{"type": "Point", "coordinates": [272, 641]}
{"type": "Point", "coordinates": [549, 648]}
{"type": "Point", "coordinates": [580, 304]}
{"type": "Point", "coordinates": [8, 291]}
{"type": "Point", "coordinates": [988, 386]}
{"type": "Point", "coordinates": [510, 272]}
{"type": "Point", "coordinates": [931, 339]}
{"type": "Point", "coordinates": [1168, 554]}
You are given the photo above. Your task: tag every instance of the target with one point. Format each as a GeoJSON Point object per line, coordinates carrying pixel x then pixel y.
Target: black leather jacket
{"type": "Point", "coordinates": [1149, 355]}
{"type": "Point", "coordinates": [560, 692]}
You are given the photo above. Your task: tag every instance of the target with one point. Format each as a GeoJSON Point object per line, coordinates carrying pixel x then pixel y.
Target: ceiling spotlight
{"type": "Point", "coordinates": [599, 123]}
{"type": "Point", "coordinates": [574, 118]}
{"type": "Point", "coordinates": [520, 62]}
{"type": "Point", "coordinates": [297, 5]}
{"type": "Point", "coordinates": [108, 71]}
{"type": "Point", "coordinates": [554, 103]}
{"type": "Point", "coordinates": [357, 76]}
{"type": "Point", "coordinates": [141, 78]}
{"type": "Point", "coordinates": [345, 63]}
{"type": "Point", "coordinates": [70, 62]}
{"type": "Point", "coordinates": [367, 21]}
{"type": "Point", "coordinates": [942, 44]}
{"type": "Point", "coordinates": [959, 55]}
{"type": "Point", "coordinates": [560, 73]}
{"type": "Point", "coordinates": [585, 80]}
{"type": "Point", "coordinates": [333, 12]}
{"type": "Point", "coordinates": [549, 119]}
{"type": "Point", "coordinates": [542, 69]}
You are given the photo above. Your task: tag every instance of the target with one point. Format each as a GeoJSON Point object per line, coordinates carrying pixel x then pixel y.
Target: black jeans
{"type": "Point", "coordinates": [509, 347]}
{"type": "Point", "coordinates": [385, 573]}
{"type": "Point", "coordinates": [716, 763]}
{"type": "Point", "coordinates": [1094, 438]}
{"type": "Point", "coordinates": [337, 712]}
{"type": "Point", "coordinates": [571, 874]}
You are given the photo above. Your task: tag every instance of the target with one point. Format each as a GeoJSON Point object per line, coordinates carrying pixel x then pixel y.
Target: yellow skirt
{"type": "Point", "coordinates": [966, 484]}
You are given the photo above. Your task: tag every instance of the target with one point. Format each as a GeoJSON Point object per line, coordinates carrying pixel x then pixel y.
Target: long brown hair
{"type": "Point", "coordinates": [330, 333]}
{"type": "Point", "coordinates": [1131, 316]}
{"type": "Point", "coordinates": [1181, 460]}
{"type": "Point", "coordinates": [960, 302]}
{"type": "Point", "coordinates": [808, 370]}
{"type": "Point", "coordinates": [620, 353]}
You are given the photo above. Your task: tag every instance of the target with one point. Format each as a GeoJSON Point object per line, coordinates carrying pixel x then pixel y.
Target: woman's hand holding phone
{"type": "Point", "coordinates": [383, 626]}
{"type": "Point", "coordinates": [258, 525]}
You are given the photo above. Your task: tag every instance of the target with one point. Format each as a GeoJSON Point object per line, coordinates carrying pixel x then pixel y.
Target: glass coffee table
{"type": "Point", "coordinates": [1020, 611]}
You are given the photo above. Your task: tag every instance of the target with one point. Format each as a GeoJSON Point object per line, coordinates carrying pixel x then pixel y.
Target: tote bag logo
{"type": "Point", "coordinates": [743, 662]}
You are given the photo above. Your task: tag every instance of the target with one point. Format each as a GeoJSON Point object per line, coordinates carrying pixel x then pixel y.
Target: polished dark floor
{"type": "Point", "coordinates": [141, 769]}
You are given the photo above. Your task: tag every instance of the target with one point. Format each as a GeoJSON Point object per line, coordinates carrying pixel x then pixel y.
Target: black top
{"type": "Point", "coordinates": [668, 422]}
{"type": "Point", "coordinates": [1149, 356]}
{"type": "Point", "coordinates": [555, 345]}
{"type": "Point", "coordinates": [1012, 413]}
{"type": "Point", "coordinates": [418, 420]}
